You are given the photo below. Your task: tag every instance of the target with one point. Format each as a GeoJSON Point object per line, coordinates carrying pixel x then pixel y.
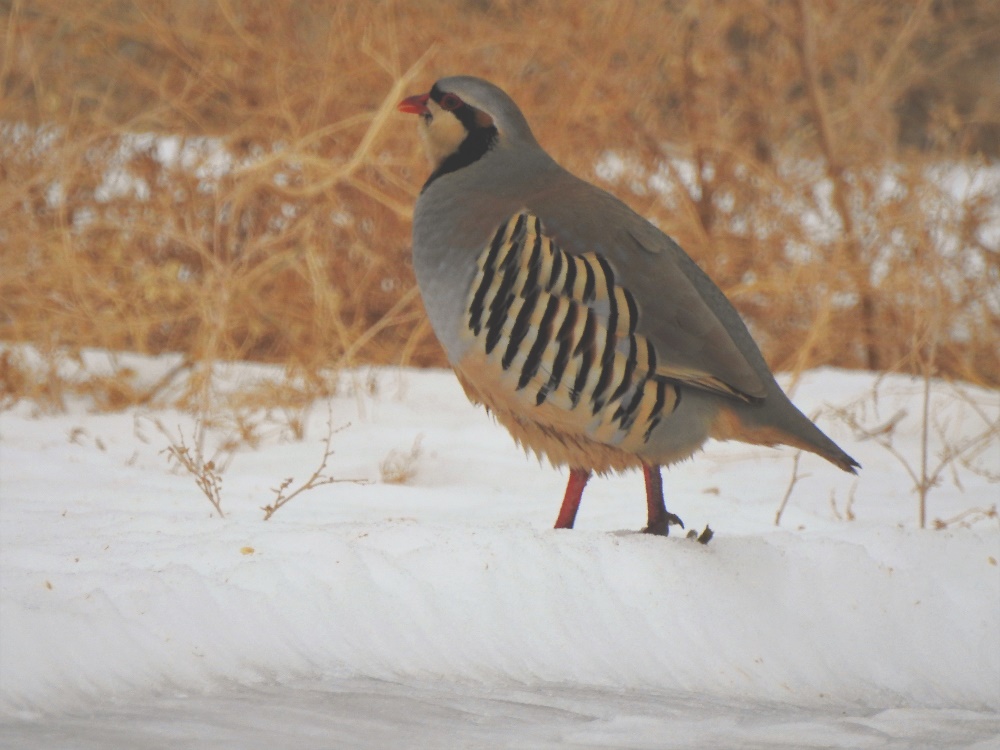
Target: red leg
{"type": "Point", "coordinates": [571, 500]}
{"type": "Point", "coordinates": [659, 520]}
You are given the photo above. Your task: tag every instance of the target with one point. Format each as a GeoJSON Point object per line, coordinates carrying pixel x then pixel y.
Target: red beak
{"type": "Point", "coordinates": [415, 105]}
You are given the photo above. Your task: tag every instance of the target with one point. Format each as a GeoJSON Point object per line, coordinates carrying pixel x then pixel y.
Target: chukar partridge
{"type": "Point", "coordinates": [589, 333]}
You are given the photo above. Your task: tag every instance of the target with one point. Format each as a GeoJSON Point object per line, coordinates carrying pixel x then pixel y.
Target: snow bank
{"type": "Point", "coordinates": [117, 582]}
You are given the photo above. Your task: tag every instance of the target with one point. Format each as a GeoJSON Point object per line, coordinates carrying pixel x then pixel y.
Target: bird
{"type": "Point", "coordinates": [585, 330]}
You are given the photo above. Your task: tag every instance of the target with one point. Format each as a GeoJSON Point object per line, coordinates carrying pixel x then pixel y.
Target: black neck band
{"type": "Point", "coordinates": [472, 149]}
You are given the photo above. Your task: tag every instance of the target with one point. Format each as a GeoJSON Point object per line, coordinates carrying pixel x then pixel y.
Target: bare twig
{"type": "Point", "coordinates": [967, 517]}
{"type": "Point", "coordinates": [791, 485]}
{"type": "Point", "coordinates": [848, 514]}
{"type": "Point", "coordinates": [206, 473]}
{"type": "Point", "coordinates": [283, 494]}
{"type": "Point", "coordinates": [930, 468]}
{"type": "Point", "coordinates": [926, 482]}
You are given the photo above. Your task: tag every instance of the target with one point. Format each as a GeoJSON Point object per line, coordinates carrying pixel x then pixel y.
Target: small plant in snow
{"type": "Point", "coordinates": [948, 443]}
{"type": "Point", "coordinates": [285, 493]}
{"type": "Point", "coordinates": [791, 486]}
{"type": "Point", "coordinates": [400, 466]}
{"type": "Point", "coordinates": [206, 473]}
{"type": "Point", "coordinates": [847, 514]}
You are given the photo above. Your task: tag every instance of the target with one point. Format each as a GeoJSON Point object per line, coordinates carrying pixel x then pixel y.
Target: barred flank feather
{"type": "Point", "coordinates": [567, 331]}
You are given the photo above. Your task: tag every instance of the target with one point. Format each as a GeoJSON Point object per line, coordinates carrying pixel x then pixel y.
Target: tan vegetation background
{"type": "Point", "coordinates": [270, 220]}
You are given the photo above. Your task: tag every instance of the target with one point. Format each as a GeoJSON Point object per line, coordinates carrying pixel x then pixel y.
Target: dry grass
{"type": "Point", "coordinates": [959, 435]}
{"type": "Point", "coordinates": [205, 472]}
{"type": "Point", "coordinates": [229, 180]}
{"type": "Point", "coordinates": [400, 466]}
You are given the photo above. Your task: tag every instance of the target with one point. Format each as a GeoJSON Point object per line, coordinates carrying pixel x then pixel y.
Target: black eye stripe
{"type": "Point", "coordinates": [438, 97]}
{"type": "Point", "coordinates": [453, 103]}
{"type": "Point", "coordinates": [450, 102]}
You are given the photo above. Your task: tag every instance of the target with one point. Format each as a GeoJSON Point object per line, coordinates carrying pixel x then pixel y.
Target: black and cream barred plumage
{"type": "Point", "coordinates": [567, 330]}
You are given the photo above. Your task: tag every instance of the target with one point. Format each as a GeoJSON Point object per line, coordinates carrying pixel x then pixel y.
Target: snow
{"type": "Point", "coordinates": [444, 611]}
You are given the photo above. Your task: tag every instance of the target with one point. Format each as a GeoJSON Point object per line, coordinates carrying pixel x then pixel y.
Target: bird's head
{"type": "Point", "coordinates": [462, 119]}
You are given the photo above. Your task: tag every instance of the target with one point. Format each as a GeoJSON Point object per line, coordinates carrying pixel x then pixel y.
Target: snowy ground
{"type": "Point", "coordinates": [445, 612]}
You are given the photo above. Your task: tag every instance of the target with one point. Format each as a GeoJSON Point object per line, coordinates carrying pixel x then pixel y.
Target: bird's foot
{"type": "Point", "coordinates": [704, 537]}
{"type": "Point", "coordinates": [661, 526]}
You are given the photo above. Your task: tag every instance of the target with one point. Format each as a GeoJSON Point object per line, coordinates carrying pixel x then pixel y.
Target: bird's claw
{"type": "Point", "coordinates": [661, 526]}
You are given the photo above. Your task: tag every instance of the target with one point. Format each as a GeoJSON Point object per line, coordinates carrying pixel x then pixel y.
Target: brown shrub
{"type": "Point", "coordinates": [229, 180]}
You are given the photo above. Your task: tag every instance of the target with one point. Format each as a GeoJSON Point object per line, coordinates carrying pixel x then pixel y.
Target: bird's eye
{"type": "Point", "coordinates": [450, 102]}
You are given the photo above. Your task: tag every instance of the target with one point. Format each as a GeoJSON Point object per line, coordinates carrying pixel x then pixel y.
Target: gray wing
{"type": "Point", "coordinates": [696, 335]}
